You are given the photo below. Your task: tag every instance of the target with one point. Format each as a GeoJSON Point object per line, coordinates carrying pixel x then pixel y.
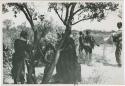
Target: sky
{"type": "Point", "coordinates": [108, 24]}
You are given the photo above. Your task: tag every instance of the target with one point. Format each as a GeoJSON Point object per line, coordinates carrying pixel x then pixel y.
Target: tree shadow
{"type": "Point", "coordinates": [105, 62]}
{"type": "Point", "coordinates": [108, 64]}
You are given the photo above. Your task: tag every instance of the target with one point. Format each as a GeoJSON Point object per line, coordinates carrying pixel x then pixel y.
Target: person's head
{"type": "Point", "coordinates": [83, 35]}
{"type": "Point", "coordinates": [119, 25]}
{"type": "Point", "coordinates": [87, 32]}
{"type": "Point", "coordinates": [80, 33]}
{"type": "Point", "coordinates": [24, 34]}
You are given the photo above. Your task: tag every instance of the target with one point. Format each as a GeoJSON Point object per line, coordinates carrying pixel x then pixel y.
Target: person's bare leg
{"type": "Point", "coordinates": [86, 58]}
{"type": "Point", "coordinates": [90, 58]}
{"type": "Point", "coordinates": [118, 58]}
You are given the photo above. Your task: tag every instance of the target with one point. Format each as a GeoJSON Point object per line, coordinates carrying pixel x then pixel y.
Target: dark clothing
{"type": "Point", "coordinates": [68, 68]}
{"type": "Point", "coordinates": [20, 48]}
{"type": "Point", "coordinates": [18, 59]}
{"type": "Point", "coordinates": [89, 39]}
{"type": "Point", "coordinates": [81, 39]}
{"type": "Point", "coordinates": [118, 55]}
{"type": "Point", "coordinates": [89, 43]}
{"type": "Point", "coordinates": [88, 49]}
{"type": "Point", "coordinates": [117, 39]}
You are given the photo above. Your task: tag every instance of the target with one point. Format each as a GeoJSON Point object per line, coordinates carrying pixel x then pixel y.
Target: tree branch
{"type": "Point", "coordinates": [59, 16]}
{"type": "Point", "coordinates": [77, 11]}
{"type": "Point", "coordinates": [26, 15]}
{"type": "Point", "coordinates": [30, 17]}
{"type": "Point", "coordinates": [27, 11]}
{"type": "Point", "coordinates": [81, 20]}
{"type": "Point", "coordinates": [71, 12]}
{"type": "Point", "coordinates": [67, 13]}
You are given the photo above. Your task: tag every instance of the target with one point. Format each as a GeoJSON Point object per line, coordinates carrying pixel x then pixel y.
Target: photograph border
{"type": "Point", "coordinates": [1, 39]}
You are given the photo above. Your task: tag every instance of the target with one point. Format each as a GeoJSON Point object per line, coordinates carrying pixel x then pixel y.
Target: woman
{"type": "Point", "coordinates": [69, 70]}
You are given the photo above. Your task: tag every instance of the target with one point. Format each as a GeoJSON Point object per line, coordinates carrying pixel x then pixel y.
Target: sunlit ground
{"type": "Point", "coordinates": [103, 70]}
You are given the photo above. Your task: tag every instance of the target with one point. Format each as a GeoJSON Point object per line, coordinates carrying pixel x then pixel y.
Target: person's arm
{"type": "Point", "coordinates": [117, 36]}
{"type": "Point", "coordinates": [95, 41]}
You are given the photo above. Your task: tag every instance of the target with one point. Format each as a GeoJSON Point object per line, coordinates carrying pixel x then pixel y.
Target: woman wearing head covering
{"type": "Point", "coordinates": [68, 66]}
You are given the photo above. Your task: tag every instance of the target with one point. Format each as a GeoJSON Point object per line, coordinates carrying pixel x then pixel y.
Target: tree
{"type": "Point", "coordinates": [71, 13]}
{"type": "Point", "coordinates": [7, 23]}
{"type": "Point", "coordinates": [120, 14]}
{"type": "Point", "coordinates": [30, 15]}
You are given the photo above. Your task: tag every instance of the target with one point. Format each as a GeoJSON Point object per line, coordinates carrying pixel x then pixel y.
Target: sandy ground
{"type": "Point", "coordinates": [104, 69]}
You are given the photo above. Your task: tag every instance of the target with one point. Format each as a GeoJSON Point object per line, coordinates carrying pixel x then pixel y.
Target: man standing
{"type": "Point", "coordinates": [81, 37]}
{"type": "Point", "coordinates": [20, 47]}
{"type": "Point", "coordinates": [89, 43]}
{"type": "Point", "coordinates": [117, 39]}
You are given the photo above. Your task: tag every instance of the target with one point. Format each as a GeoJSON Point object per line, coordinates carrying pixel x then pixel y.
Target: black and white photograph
{"type": "Point", "coordinates": [62, 42]}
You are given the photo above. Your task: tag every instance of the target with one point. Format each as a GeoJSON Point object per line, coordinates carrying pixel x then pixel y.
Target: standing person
{"type": "Point", "coordinates": [70, 68]}
{"type": "Point", "coordinates": [89, 43]}
{"type": "Point", "coordinates": [20, 47]}
{"type": "Point", "coordinates": [117, 39]}
{"type": "Point", "coordinates": [5, 49]}
{"type": "Point", "coordinates": [81, 38]}
{"type": "Point", "coordinates": [81, 47]}
{"type": "Point", "coordinates": [48, 59]}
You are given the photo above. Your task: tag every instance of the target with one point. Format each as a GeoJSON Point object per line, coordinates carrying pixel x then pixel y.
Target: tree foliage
{"type": "Point", "coordinates": [31, 15]}
{"type": "Point", "coordinates": [74, 13]}
{"type": "Point", "coordinates": [7, 23]}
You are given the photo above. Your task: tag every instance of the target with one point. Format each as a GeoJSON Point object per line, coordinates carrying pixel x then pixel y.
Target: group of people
{"type": "Point", "coordinates": [87, 42]}
{"type": "Point", "coordinates": [68, 69]}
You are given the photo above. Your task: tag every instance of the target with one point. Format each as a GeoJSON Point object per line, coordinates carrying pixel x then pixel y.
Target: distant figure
{"type": "Point", "coordinates": [5, 49]}
{"type": "Point", "coordinates": [20, 47]}
{"type": "Point", "coordinates": [89, 44]}
{"type": "Point", "coordinates": [81, 39]}
{"type": "Point", "coordinates": [117, 39]}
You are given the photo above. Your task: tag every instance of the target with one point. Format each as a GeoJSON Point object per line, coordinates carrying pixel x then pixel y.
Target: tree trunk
{"type": "Point", "coordinates": [48, 76]}
{"type": "Point", "coordinates": [31, 78]}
